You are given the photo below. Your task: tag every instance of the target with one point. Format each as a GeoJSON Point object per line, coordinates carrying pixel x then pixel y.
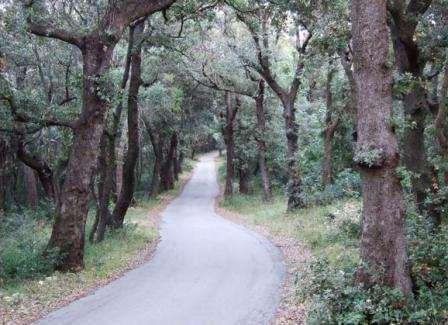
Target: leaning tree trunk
{"type": "Point", "coordinates": [69, 227]}
{"type": "Point", "coordinates": [261, 142]}
{"type": "Point", "coordinates": [132, 154]}
{"type": "Point", "coordinates": [383, 242]}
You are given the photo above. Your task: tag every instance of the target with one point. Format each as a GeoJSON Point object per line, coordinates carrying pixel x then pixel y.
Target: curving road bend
{"type": "Point", "coordinates": [206, 271]}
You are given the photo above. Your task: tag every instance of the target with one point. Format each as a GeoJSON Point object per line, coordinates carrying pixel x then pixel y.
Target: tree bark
{"type": "Point", "coordinates": [261, 142]}
{"type": "Point", "coordinates": [105, 183]}
{"type": "Point", "coordinates": [295, 190]}
{"type": "Point", "coordinates": [167, 170]}
{"type": "Point", "coordinates": [132, 154]}
{"type": "Point", "coordinates": [383, 241]}
{"type": "Point", "coordinates": [331, 124]}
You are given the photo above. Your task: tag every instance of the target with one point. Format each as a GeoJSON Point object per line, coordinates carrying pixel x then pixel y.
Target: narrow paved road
{"type": "Point", "coordinates": [206, 271]}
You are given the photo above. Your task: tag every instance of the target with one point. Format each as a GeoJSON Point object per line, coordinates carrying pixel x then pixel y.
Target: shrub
{"type": "Point", "coordinates": [338, 299]}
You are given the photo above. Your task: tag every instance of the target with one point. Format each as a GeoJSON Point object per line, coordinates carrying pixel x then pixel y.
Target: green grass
{"type": "Point", "coordinates": [335, 238]}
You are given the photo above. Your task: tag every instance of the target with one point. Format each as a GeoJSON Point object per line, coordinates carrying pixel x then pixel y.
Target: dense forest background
{"type": "Point", "coordinates": [104, 103]}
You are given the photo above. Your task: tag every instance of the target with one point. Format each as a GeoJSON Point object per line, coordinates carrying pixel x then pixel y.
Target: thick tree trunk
{"type": "Point", "coordinates": [261, 142]}
{"type": "Point", "coordinates": [68, 233]}
{"type": "Point", "coordinates": [295, 191]}
{"type": "Point", "coordinates": [331, 124]}
{"type": "Point", "coordinates": [383, 242]}
{"type": "Point", "coordinates": [31, 187]}
{"type": "Point", "coordinates": [127, 191]}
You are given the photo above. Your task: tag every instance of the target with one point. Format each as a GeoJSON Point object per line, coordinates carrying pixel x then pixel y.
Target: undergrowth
{"type": "Point", "coordinates": [332, 233]}
{"type": "Point", "coordinates": [28, 283]}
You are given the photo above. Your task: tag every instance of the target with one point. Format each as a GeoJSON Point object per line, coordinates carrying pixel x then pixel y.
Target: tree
{"type": "Point", "coordinates": [96, 47]}
{"type": "Point", "coordinates": [258, 23]}
{"type": "Point", "coordinates": [383, 242]}
{"type": "Point", "coordinates": [331, 124]}
{"type": "Point", "coordinates": [127, 190]}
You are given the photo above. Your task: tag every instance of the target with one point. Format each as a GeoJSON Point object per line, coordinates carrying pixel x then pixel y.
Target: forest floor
{"type": "Point", "coordinates": [23, 301]}
{"type": "Point", "coordinates": [315, 232]}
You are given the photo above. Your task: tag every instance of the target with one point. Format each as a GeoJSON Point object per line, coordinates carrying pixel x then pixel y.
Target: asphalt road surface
{"type": "Point", "coordinates": [205, 271]}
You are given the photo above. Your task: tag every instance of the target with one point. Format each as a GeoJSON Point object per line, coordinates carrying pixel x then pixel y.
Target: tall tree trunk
{"type": "Point", "coordinates": [31, 187]}
{"type": "Point", "coordinates": [132, 154]}
{"type": "Point", "coordinates": [69, 228]}
{"type": "Point", "coordinates": [119, 154]}
{"type": "Point", "coordinates": [331, 124]}
{"type": "Point", "coordinates": [157, 145]}
{"type": "Point", "coordinates": [175, 164]}
{"type": "Point", "coordinates": [167, 170]}
{"type": "Point", "coordinates": [408, 59]}
{"type": "Point", "coordinates": [229, 139]}
{"type": "Point", "coordinates": [383, 241]}
{"type": "Point", "coordinates": [440, 125]}
{"type": "Point", "coordinates": [295, 190]}
{"type": "Point", "coordinates": [261, 142]}
{"type": "Point", "coordinates": [107, 162]}
{"type": "Point", "coordinates": [105, 183]}
{"type": "Point", "coordinates": [243, 176]}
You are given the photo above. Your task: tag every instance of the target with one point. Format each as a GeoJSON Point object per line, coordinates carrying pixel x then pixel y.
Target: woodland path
{"type": "Point", "coordinates": [205, 271]}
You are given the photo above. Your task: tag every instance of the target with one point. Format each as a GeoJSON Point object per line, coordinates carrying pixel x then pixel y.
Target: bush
{"type": "Point", "coordinates": [338, 299]}
{"type": "Point", "coordinates": [23, 238]}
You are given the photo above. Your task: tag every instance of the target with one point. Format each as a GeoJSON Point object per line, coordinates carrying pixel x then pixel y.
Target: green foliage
{"type": "Point", "coordinates": [370, 157]}
{"type": "Point", "coordinates": [337, 298]}
{"type": "Point", "coordinates": [23, 242]}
